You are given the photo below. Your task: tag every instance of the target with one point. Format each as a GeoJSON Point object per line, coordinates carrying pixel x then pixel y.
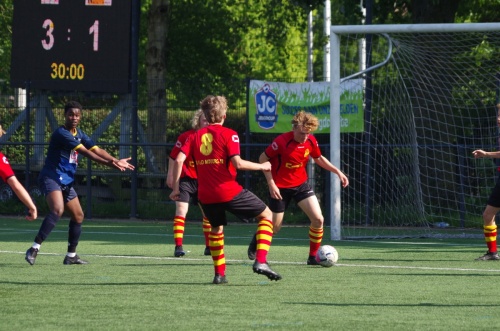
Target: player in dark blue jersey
{"type": "Point", "coordinates": [57, 177]}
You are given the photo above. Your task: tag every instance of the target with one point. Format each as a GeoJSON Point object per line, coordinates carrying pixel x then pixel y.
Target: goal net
{"type": "Point", "coordinates": [430, 94]}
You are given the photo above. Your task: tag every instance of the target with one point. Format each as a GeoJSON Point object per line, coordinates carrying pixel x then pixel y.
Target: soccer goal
{"type": "Point", "coordinates": [430, 93]}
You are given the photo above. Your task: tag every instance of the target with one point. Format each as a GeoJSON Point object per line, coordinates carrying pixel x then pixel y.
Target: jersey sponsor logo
{"type": "Point", "coordinates": [289, 165]}
{"type": "Point", "coordinates": [274, 146]}
{"type": "Point", "coordinates": [4, 160]}
{"type": "Point", "coordinates": [235, 138]}
{"type": "Point", "coordinates": [307, 152]}
{"type": "Point", "coordinates": [191, 164]}
{"type": "Point", "coordinates": [209, 161]}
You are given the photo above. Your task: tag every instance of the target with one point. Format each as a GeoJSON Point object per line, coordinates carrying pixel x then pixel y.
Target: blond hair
{"type": "Point", "coordinates": [195, 121]}
{"type": "Point", "coordinates": [214, 108]}
{"type": "Point", "coordinates": [306, 120]}
{"type": "Point", "coordinates": [2, 132]}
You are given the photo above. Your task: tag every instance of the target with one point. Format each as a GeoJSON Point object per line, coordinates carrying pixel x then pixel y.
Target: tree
{"type": "Point", "coordinates": [155, 59]}
{"type": "Point", "coordinates": [6, 11]}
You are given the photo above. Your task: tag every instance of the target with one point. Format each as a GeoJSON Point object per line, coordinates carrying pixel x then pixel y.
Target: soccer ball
{"type": "Point", "coordinates": [327, 256]}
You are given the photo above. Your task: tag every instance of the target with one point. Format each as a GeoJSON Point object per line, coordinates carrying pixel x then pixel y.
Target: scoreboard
{"type": "Point", "coordinates": [72, 45]}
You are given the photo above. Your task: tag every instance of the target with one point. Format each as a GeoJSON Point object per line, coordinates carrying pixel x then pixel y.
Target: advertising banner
{"type": "Point", "coordinates": [272, 105]}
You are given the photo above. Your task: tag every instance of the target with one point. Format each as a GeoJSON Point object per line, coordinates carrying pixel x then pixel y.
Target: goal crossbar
{"type": "Point", "coordinates": [415, 28]}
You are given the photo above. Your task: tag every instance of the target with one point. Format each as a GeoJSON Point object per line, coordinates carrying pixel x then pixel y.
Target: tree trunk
{"type": "Point", "coordinates": [156, 73]}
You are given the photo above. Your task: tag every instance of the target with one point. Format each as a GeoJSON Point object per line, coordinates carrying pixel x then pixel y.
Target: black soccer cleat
{"type": "Point", "coordinates": [73, 260]}
{"type": "Point", "coordinates": [264, 269]}
{"type": "Point", "coordinates": [311, 260]}
{"type": "Point", "coordinates": [179, 251]}
{"type": "Point", "coordinates": [31, 254]}
{"type": "Point", "coordinates": [489, 256]}
{"type": "Point", "coordinates": [252, 248]}
{"type": "Point", "coordinates": [218, 279]}
{"type": "Point", "coordinates": [206, 252]}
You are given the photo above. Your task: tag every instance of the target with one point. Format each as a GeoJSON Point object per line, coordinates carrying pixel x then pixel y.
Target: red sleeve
{"type": "Point", "coordinates": [315, 151]}
{"type": "Point", "coordinates": [233, 146]}
{"type": "Point", "coordinates": [5, 168]}
{"type": "Point", "coordinates": [179, 143]}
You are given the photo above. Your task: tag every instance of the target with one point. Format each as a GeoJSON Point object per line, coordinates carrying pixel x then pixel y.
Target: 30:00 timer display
{"type": "Point", "coordinates": [73, 71]}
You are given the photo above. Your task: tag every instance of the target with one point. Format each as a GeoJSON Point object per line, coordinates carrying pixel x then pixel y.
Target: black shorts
{"type": "Point", "coordinates": [245, 204]}
{"type": "Point", "coordinates": [188, 189]}
{"type": "Point", "coordinates": [298, 193]}
{"type": "Point", "coordinates": [494, 199]}
{"type": "Point", "coordinates": [48, 185]}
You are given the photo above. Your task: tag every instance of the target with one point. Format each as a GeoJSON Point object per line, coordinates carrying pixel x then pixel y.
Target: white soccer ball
{"type": "Point", "coordinates": [327, 256]}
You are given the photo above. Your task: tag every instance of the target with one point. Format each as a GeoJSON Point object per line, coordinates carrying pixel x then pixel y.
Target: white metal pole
{"type": "Point", "coordinates": [310, 46]}
{"type": "Point", "coordinates": [310, 77]}
{"type": "Point", "coordinates": [326, 57]}
{"type": "Point", "coordinates": [335, 214]}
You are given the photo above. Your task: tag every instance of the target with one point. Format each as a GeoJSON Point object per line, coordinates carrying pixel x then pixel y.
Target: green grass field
{"type": "Point", "coordinates": [133, 282]}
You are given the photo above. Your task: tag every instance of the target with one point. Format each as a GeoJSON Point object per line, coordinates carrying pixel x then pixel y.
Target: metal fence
{"type": "Point", "coordinates": [30, 118]}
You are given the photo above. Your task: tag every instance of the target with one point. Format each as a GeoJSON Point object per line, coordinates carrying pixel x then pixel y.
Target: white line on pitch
{"type": "Point", "coordinates": [272, 262]}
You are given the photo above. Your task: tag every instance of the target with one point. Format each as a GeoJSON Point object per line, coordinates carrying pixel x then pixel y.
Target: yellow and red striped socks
{"type": "Point", "coordinates": [206, 230]}
{"type": "Point", "coordinates": [490, 236]}
{"type": "Point", "coordinates": [315, 238]}
{"type": "Point", "coordinates": [264, 238]}
{"type": "Point", "coordinates": [216, 244]}
{"type": "Point", "coordinates": [179, 230]}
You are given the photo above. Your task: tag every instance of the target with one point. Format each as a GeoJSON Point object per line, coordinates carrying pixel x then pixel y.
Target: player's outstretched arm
{"type": "Point", "coordinates": [241, 164]}
{"type": "Point", "coordinates": [24, 196]}
{"type": "Point", "coordinates": [122, 163]}
{"type": "Point", "coordinates": [327, 165]}
{"type": "Point", "coordinates": [479, 153]}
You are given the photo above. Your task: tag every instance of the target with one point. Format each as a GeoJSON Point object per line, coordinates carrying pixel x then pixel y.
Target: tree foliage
{"type": "Point", "coordinates": [213, 41]}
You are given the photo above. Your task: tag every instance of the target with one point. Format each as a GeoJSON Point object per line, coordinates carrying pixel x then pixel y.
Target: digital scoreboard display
{"type": "Point", "coordinates": [71, 45]}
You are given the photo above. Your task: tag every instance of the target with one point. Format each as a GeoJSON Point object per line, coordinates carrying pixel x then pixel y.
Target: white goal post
{"type": "Point", "coordinates": [426, 106]}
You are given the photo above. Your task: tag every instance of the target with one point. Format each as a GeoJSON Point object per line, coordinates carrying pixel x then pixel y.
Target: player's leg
{"type": "Point", "coordinates": [312, 209]}
{"type": "Point", "coordinates": [277, 219]}
{"type": "Point", "coordinates": [74, 209]}
{"type": "Point", "coordinates": [206, 227]}
{"type": "Point", "coordinates": [55, 202]}
{"type": "Point", "coordinates": [489, 225]}
{"type": "Point", "coordinates": [264, 237]}
{"type": "Point", "coordinates": [490, 233]}
{"type": "Point", "coordinates": [216, 245]}
{"type": "Point", "coordinates": [248, 205]}
{"type": "Point", "coordinates": [278, 211]}
{"type": "Point", "coordinates": [181, 210]}
{"type": "Point", "coordinates": [216, 214]}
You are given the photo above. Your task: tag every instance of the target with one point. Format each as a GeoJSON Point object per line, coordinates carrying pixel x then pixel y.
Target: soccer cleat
{"type": "Point", "coordinates": [252, 248]}
{"type": "Point", "coordinates": [218, 279]}
{"type": "Point", "coordinates": [74, 260]}
{"type": "Point", "coordinates": [311, 260]}
{"type": "Point", "coordinates": [207, 251]}
{"type": "Point", "coordinates": [31, 255]}
{"type": "Point", "coordinates": [264, 269]}
{"type": "Point", "coordinates": [489, 256]}
{"type": "Point", "coordinates": [179, 251]}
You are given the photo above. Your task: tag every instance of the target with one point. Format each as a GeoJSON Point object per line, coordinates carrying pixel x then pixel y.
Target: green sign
{"type": "Point", "coordinates": [272, 105]}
